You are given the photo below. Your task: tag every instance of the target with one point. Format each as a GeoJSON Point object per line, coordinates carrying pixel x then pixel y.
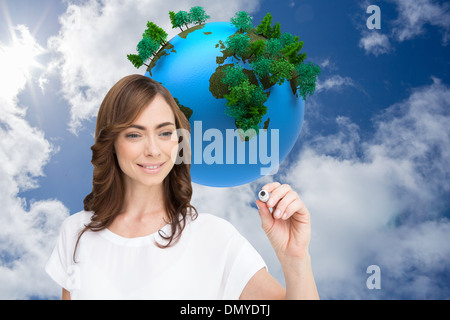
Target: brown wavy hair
{"type": "Point", "coordinates": [121, 106]}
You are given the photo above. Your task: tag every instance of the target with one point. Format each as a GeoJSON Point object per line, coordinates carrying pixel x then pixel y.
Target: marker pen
{"type": "Point", "coordinates": [264, 195]}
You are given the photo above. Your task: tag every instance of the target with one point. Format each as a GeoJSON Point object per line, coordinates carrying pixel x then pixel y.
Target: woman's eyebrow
{"type": "Point", "coordinates": [139, 127]}
{"type": "Point", "coordinates": [165, 124]}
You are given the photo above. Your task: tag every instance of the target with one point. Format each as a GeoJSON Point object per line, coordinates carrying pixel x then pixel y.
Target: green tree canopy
{"type": "Point", "coordinates": [281, 70]}
{"type": "Point", "coordinates": [236, 111]}
{"type": "Point", "coordinates": [156, 33]}
{"type": "Point", "coordinates": [242, 21]}
{"type": "Point", "coordinates": [258, 98]}
{"type": "Point", "coordinates": [291, 52]}
{"type": "Point", "coordinates": [198, 15]}
{"type": "Point", "coordinates": [261, 66]}
{"type": "Point", "coordinates": [172, 19]}
{"type": "Point", "coordinates": [257, 48]}
{"type": "Point", "coordinates": [276, 31]}
{"type": "Point", "coordinates": [175, 23]}
{"type": "Point", "coordinates": [233, 75]}
{"type": "Point", "coordinates": [135, 60]}
{"type": "Point", "coordinates": [245, 103]}
{"type": "Point", "coordinates": [286, 39]}
{"type": "Point", "coordinates": [146, 48]}
{"type": "Point", "coordinates": [182, 18]}
{"type": "Point", "coordinates": [273, 48]}
{"type": "Point", "coordinates": [265, 27]}
{"type": "Point", "coordinates": [307, 77]}
{"type": "Point", "coordinates": [238, 44]}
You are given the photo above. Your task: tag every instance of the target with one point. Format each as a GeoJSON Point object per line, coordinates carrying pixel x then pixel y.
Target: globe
{"type": "Point", "coordinates": [222, 155]}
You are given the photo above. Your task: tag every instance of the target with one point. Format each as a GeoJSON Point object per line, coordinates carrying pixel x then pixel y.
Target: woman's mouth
{"type": "Point", "coordinates": [150, 167]}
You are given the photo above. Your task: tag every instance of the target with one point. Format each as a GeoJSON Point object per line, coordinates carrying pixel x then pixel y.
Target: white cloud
{"type": "Point", "coordinates": [375, 43]}
{"type": "Point", "coordinates": [417, 256]}
{"type": "Point", "coordinates": [325, 63]}
{"type": "Point", "coordinates": [414, 15]}
{"type": "Point", "coordinates": [419, 138]}
{"type": "Point", "coordinates": [26, 245]}
{"type": "Point", "coordinates": [335, 82]}
{"type": "Point", "coordinates": [27, 235]}
{"type": "Point", "coordinates": [95, 38]}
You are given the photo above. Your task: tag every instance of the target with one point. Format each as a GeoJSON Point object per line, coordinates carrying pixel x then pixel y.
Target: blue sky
{"type": "Point", "coordinates": [372, 161]}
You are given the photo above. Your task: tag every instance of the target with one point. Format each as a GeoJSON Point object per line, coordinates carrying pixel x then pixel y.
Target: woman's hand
{"type": "Point", "coordinates": [288, 226]}
{"type": "Point", "coordinates": [289, 231]}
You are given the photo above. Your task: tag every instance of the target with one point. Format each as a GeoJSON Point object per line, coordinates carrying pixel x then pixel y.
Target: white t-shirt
{"type": "Point", "coordinates": [211, 260]}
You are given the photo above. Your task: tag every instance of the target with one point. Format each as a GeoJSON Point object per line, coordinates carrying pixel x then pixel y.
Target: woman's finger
{"type": "Point", "coordinates": [278, 193]}
{"type": "Point", "coordinates": [283, 204]}
{"type": "Point", "coordinates": [269, 187]}
{"type": "Point", "coordinates": [299, 207]}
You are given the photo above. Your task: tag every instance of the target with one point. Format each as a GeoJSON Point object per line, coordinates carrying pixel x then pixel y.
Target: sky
{"type": "Point", "coordinates": [372, 162]}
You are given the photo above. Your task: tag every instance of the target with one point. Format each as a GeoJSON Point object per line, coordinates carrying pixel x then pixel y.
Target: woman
{"type": "Point", "coordinates": [140, 238]}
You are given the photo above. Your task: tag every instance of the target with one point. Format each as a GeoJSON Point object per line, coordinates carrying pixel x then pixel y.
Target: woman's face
{"type": "Point", "coordinates": [144, 149]}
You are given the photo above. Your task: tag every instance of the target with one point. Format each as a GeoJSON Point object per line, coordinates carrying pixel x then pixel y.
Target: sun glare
{"type": "Point", "coordinates": [23, 51]}
{"type": "Point", "coordinates": [18, 58]}
{"type": "Point", "coordinates": [18, 55]}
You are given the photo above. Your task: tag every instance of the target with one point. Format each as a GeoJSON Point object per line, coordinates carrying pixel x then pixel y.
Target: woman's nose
{"type": "Point", "coordinates": [152, 148]}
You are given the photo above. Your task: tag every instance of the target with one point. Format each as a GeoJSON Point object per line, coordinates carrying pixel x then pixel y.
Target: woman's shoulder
{"type": "Point", "coordinates": [76, 221]}
{"type": "Point", "coordinates": [212, 220]}
{"type": "Point", "coordinates": [210, 223]}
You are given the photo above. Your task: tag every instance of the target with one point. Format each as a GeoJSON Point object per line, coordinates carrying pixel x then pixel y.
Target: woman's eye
{"type": "Point", "coordinates": [166, 134]}
{"type": "Point", "coordinates": [132, 135]}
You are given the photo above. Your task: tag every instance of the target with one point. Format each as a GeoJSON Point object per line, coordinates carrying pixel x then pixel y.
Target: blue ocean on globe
{"type": "Point", "coordinates": [220, 158]}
